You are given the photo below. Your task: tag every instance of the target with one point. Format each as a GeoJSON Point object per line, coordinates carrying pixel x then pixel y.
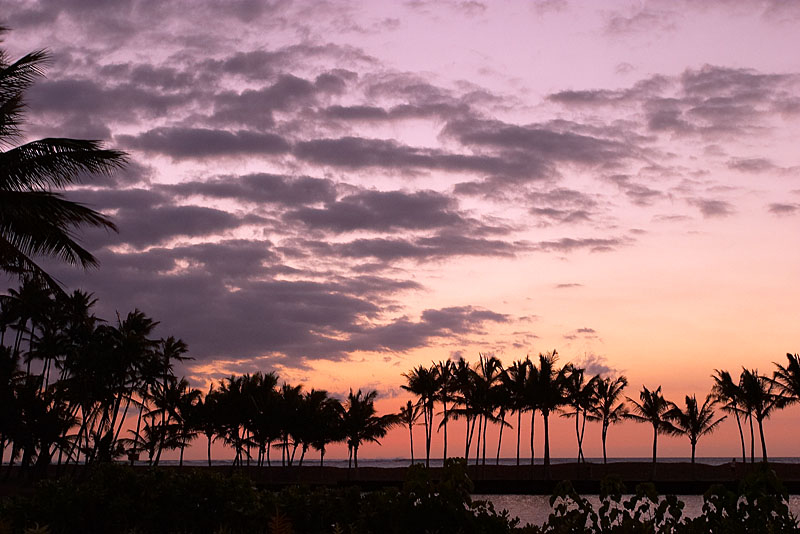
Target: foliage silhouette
{"type": "Point", "coordinates": [34, 220]}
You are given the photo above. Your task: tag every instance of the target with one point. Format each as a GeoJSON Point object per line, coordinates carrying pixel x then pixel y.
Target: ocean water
{"type": "Point", "coordinates": [312, 460]}
{"type": "Point", "coordinates": [535, 509]}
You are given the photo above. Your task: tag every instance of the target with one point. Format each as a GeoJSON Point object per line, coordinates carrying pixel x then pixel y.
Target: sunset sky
{"type": "Point", "coordinates": [340, 191]}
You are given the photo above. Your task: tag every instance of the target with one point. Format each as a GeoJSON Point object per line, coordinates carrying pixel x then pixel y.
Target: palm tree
{"type": "Point", "coordinates": [606, 406]}
{"type": "Point", "coordinates": [360, 423]}
{"type": "Point", "coordinates": [730, 395]}
{"type": "Point", "coordinates": [446, 383]}
{"type": "Point", "coordinates": [486, 380]}
{"type": "Point", "coordinates": [409, 414]}
{"type": "Point", "coordinates": [694, 422]}
{"type": "Point", "coordinates": [532, 400]}
{"type": "Point", "coordinates": [652, 409]}
{"type": "Point", "coordinates": [788, 378]}
{"type": "Point", "coordinates": [578, 394]}
{"type": "Point", "coordinates": [34, 220]}
{"type": "Point", "coordinates": [326, 418]}
{"type": "Point", "coordinates": [515, 382]}
{"type": "Point", "coordinates": [550, 395]}
{"type": "Point", "coordinates": [761, 399]}
{"type": "Point", "coordinates": [423, 382]}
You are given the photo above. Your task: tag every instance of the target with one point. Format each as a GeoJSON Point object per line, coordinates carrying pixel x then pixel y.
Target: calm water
{"type": "Point", "coordinates": [312, 460]}
{"type": "Point", "coordinates": [535, 509]}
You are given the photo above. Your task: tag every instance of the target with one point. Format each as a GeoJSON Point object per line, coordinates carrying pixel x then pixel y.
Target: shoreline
{"type": "Point", "coordinates": [677, 478]}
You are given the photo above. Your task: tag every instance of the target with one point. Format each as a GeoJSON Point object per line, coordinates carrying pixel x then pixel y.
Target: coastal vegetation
{"type": "Point", "coordinates": [118, 499]}
{"type": "Point", "coordinates": [79, 389]}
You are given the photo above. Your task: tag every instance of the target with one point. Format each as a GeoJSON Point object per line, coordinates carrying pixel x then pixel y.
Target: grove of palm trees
{"type": "Point", "coordinates": [82, 396]}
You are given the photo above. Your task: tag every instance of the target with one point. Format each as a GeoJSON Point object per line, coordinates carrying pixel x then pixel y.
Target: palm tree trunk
{"type": "Point", "coordinates": [752, 440]}
{"type": "Point", "coordinates": [322, 456]}
{"type": "Point", "coordinates": [427, 439]}
{"type": "Point", "coordinates": [209, 450]}
{"type": "Point", "coordinates": [694, 445]}
{"type": "Point", "coordinates": [411, 437]}
{"type": "Point", "coordinates": [546, 443]}
{"type": "Point", "coordinates": [500, 437]}
{"type": "Point", "coordinates": [605, 433]}
{"type": "Point", "coordinates": [741, 437]}
{"type": "Point", "coordinates": [485, 424]}
{"type": "Point", "coordinates": [655, 448]}
{"type": "Point", "coordinates": [355, 457]}
{"type": "Point", "coordinates": [519, 425]}
{"type": "Point", "coordinates": [478, 443]}
{"type": "Point", "coordinates": [269, 446]}
{"type": "Point", "coordinates": [578, 433]}
{"type": "Point", "coordinates": [533, 420]}
{"type": "Point", "coordinates": [444, 424]}
{"type": "Point", "coordinates": [583, 433]}
{"type": "Point", "coordinates": [763, 442]}
{"type": "Point", "coordinates": [467, 439]}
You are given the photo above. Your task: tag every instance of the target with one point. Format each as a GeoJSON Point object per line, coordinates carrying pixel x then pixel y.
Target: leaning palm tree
{"type": "Point", "coordinates": [652, 409]}
{"type": "Point", "coordinates": [34, 220]}
{"type": "Point", "coordinates": [606, 406]}
{"type": "Point", "coordinates": [694, 422]}
{"type": "Point", "coordinates": [409, 415]}
{"type": "Point", "coordinates": [730, 395]}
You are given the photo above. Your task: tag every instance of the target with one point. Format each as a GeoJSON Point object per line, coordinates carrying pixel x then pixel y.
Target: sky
{"type": "Point", "coordinates": [341, 191]}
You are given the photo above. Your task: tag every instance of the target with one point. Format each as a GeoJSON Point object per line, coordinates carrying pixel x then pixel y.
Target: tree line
{"type": "Point", "coordinates": [486, 394]}
{"type": "Point", "coordinates": [75, 388]}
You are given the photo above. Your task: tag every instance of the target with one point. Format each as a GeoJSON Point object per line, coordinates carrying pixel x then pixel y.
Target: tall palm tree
{"type": "Point", "coordinates": [423, 382]}
{"type": "Point", "coordinates": [446, 384]}
{"type": "Point", "coordinates": [550, 395]}
{"type": "Point", "coordinates": [761, 399]}
{"type": "Point", "coordinates": [694, 422]}
{"type": "Point", "coordinates": [360, 423]}
{"type": "Point", "coordinates": [606, 406]}
{"type": "Point", "coordinates": [486, 380]}
{"type": "Point", "coordinates": [532, 400]}
{"type": "Point", "coordinates": [515, 382]}
{"type": "Point", "coordinates": [578, 394]}
{"type": "Point", "coordinates": [653, 410]}
{"type": "Point", "coordinates": [409, 415]}
{"type": "Point", "coordinates": [730, 395]}
{"type": "Point", "coordinates": [34, 220]}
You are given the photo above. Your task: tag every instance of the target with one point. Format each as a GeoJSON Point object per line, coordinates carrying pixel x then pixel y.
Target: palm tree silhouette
{"type": "Point", "coordinates": [578, 395]}
{"type": "Point", "coordinates": [423, 382]}
{"type": "Point", "coordinates": [549, 389]}
{"type": "Point", "coordinates": [730, 395]}
{"type": "Point", "coordinates": [652, 409]}
{"type": "Point", "coordinates": [446, 383]}
{"type": "Point", "coordinates": [694, 422]}
{"type": "Point", "coordinates": [35, 221]}
{"type": "Point", "coordinates": [409, 414]}
{"type": "Point", "coordinates": [606, 406]}
{"type": "Point", "coordinates": [360, 423]}
{"type": "Point", "coordinates": [788, 378]}
{"type": "Point", "coordinates": [760, 398]}
{"type": "Point", "coordinates": [515, 381]}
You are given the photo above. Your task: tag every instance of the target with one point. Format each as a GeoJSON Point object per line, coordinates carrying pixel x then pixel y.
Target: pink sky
{"type": "Point", "coordinates": [341, 191]}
